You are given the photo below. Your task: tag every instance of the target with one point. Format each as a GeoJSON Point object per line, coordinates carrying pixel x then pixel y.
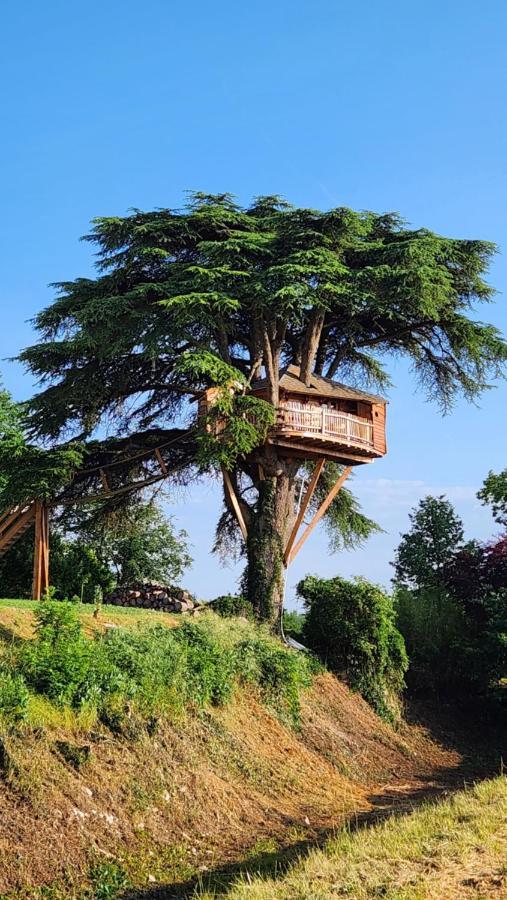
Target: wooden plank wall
{"type": "Point", "coordinates": [379, 427]}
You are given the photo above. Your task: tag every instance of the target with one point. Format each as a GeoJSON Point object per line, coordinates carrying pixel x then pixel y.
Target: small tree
{"type": "Point", "coordinates": [424, 551]}
{"type": "Point", "coordinates": [138, 543]}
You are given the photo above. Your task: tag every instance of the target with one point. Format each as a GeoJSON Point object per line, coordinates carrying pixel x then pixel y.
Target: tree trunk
{"type": "Point", "coordinates": [268, 533]}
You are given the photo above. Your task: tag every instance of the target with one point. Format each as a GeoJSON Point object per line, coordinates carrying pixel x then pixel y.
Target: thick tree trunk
{"type": "Point", "coordinates": [267, 536]}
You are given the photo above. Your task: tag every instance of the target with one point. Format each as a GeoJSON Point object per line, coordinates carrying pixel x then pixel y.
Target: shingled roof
{"type": "Point", "coordinates": [319, 386]}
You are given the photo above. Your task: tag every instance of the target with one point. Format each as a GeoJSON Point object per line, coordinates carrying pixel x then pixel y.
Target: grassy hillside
{"type": "Point", "coordinates": [89, 809]}
{"type": "Point", "coordinates": [448, 850]}
{"type": "Point", "coordinates": [17, 618]}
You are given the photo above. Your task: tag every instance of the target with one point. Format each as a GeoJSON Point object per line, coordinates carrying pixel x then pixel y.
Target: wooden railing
{"type": "Point", "coordinates": [319, 420]}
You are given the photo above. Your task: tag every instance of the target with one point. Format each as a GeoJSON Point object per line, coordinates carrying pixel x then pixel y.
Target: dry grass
{"type": "Point", "coordinates": [453, 849]}
{"type": "Point", "coordinates": [199, 794]}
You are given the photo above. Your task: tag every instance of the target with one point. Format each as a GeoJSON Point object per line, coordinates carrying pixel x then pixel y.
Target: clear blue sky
{"type": "Point", "coordinates": [380, 105]}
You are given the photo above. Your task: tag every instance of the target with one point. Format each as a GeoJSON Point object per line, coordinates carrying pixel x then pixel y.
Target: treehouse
{"type": "Point", "coordinates": [321, 420]}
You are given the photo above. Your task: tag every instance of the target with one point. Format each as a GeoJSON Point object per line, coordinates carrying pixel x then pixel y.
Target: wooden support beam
{"type": "Point", "coordinates": [231, 493]}
{"type": "Point", "coordinates": [105, 482]}
{"type": "Point", "coordinates": [17, 525]}
{"type": "Point", "coordinates": [321, 511]}
{"type": "Point", "coordinates": [161, 462]}
{"type": "Point", "coordinates": [304, 506]}
{"type": "Point", "coordinates": [37, 554]}
{"type": "Point", "coordinates": [41, 551]}
{"type": "Point", "coordinates": [11, 516]}
{"type": "Point", "coordinates": [45, 549]}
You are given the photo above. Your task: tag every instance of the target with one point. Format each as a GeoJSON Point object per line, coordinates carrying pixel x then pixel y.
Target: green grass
{"type": "Point", "coordinates": [456, 848]}
{"type": "Point", "coordinates": [87, 608]}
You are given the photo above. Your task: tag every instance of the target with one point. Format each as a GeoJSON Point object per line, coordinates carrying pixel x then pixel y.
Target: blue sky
{"type": "Point", "coordinates": [379, 105]}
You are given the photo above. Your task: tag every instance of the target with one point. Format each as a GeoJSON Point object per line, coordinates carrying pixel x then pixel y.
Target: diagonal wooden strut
{"type": "Point", "coordinates": [304, 506]}
{"type": "Point", "coordinates": [231, 494]}
{"type": "Point", "coordinates": [320, 512]}
{"type": "Point", "coordinates": [41, 552]}
{"type": "Point", "coordinates": [14, 525]}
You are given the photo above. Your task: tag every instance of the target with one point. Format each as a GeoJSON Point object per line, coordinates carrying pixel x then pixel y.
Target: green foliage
{"type": "Point", "coordinates": [229, 605]}
{"type": "Point", "coordinates": [345, 525]}
{"type": "Point", "coordinates": [234, 427]}
{"type": "Point", "coordinates": [435, 536]}
{"type": "Point", "coordinates": [132, 678]}
{"type": "Point", "coordinates": [223, 279]}
{"type": "Point", "coordinates": [109, 881]}
{"type": "Point", "coordinates": [13, 698]}
{"type": "Point", "coordinates": [137, 543]}
{"type": "Point", "coordinates": [27, 471]}
{"type": "Point", "coordinates": [494, 493]}
{"type": "Point", "coordinates": [280, 674]}
{"type": "Point", "coordinates": [351, 626]}
{"type": "Point", "coordinates": [294, 623]}
{"type": "Point", "coordinates": [435, 630]}
{"type": "Point", "coordinates": [452, 606]}
{"type": "Point", "coordinates": [58, 661]}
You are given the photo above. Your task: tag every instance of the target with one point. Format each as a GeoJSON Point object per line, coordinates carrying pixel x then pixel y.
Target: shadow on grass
{"type": "Point", "coordinates": [481, 752]}
{"type": "Point", "coordinates": [275, 863]}
{"type": "Point", "coordinates": [8, 636]}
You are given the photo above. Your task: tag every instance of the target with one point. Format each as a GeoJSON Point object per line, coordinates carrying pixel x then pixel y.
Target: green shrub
{"type": "Point", "coordinates": [351, 626]}
{"type": "Point", "coordinates": [229, 605]}
{"type": "Point", "coordinates": [435, 630]}
{"type": "Point", "coordinates": [279, 673]}
{"type": "Point", "coordinates": [13, 698]}
{"type": "Point", "coordinates": [293, 623]}
{"type": "Point", "coordinates": [57, 662]}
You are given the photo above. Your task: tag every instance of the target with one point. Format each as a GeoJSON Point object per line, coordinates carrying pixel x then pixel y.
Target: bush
{"type": "Point", "coordinates": [13, 698]}
{"type": "Point", "coordinates": [279, 673]}
{"type": "Point", "coordinates": [351, 626]}
{"type": "Point", "coordinates": [293, 624]}
{"type": "Point", "coordinates": [229, 605]}
{"type": "Point", "coordinates": [58, 661]}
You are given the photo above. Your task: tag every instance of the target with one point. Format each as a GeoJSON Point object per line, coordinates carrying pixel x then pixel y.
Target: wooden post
{"type": "Point", "coordinates": [321, 510]}
{"type": "Point", "coordinates": [304, 506]}
{"type": "Point", "coordinates": [45, 549]}
{"type": "Point", "coordinates": [41, 551]}
{"type": "Point", "coordinates": [37, 554]}
{"type": "Point", "coordinates": [231, 493]}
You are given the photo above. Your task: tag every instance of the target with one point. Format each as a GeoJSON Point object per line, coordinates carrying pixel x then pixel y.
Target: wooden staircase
{"type": "Point", "coordinates": [14, 523]}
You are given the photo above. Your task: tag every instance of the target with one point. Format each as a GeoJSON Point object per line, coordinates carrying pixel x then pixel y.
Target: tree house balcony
{"type": "Point", "coordinates": [321, 423]}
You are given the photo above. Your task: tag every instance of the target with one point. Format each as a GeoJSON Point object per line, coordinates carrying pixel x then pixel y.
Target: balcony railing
{"type": "Point", "coordinates": [320, 421]}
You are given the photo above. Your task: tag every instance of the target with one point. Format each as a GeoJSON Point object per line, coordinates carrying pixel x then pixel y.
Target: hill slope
{"type": "Point", "coordinates": [86, 812]}
{"type": "Point", "coordinates": [448, 850]}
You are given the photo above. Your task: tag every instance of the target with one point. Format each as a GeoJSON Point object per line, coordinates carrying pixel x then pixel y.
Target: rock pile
{"type": "Point", "coordinates": [147, 595]}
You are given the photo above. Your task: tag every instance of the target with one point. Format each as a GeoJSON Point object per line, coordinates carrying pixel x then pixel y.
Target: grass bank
{"type": "Point", "coordinates": [455, 848]}
{"type": "Point", "coordinates": [145, 757]}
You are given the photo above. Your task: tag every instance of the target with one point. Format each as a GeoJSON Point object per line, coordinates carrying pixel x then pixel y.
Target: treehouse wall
{"type": "Point", "coordinates": [379, 427]}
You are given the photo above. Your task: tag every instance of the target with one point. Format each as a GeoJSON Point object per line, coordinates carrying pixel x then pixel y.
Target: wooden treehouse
{"type": "Point", "coordinates": [322, 420]}
{"type": "Point", "coordinates": [325, 419]}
